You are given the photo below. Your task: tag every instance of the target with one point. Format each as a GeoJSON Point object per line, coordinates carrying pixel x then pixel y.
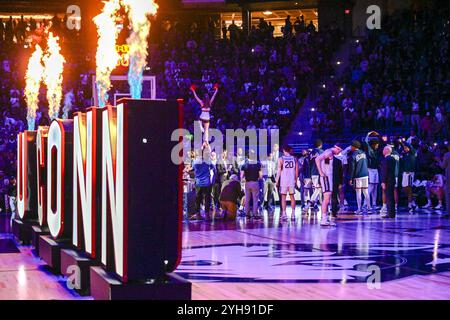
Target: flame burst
{"type": "Point", "coordinates": [54, 65]}
{"type": "Point", "coordinates": [106, 57]}
{"type": "Point", "coordinates": [138, 12]}
{"type": "Point", "coordinates": [33, 78]}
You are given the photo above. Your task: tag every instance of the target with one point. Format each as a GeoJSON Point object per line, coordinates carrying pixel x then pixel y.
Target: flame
{"type": "Point", "coordinates": [54, 65]}
{"type": "Point", "coordinates": [138, 12]}
{"type": "Point", "coordinates": [33, 78]}
{"type": "Point", "coordinates": [106, 57]}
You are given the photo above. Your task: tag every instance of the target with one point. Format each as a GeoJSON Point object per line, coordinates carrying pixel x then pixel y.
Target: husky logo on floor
{"type": "Point", "coordinates": [305, 263]}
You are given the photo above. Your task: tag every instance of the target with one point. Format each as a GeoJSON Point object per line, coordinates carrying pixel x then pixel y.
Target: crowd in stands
{"type": "Point", "coordinates": [398, 77]}
{"type": "Point", "coordinates": [263, 79]}
{"type": "Point", "coordinates": [16, 39]}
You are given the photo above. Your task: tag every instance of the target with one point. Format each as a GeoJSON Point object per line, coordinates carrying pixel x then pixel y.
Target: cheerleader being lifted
{"type": "Point", "coordinates": [205, 105]}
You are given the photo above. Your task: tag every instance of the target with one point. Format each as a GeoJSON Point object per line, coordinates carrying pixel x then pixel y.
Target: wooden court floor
{"type": "Point", "coordinates": [362, 258]}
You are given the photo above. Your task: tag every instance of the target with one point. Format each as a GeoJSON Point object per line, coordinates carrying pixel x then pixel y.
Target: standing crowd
{"type": "Point", "coordinates": [397, 78]}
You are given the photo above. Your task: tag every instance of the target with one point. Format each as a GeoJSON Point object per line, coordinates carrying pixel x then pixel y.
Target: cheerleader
{"type": "Point", "coordinates": [205, 104]}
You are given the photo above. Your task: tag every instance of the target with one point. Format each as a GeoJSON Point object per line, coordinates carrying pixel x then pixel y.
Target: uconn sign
{"type": "Point", "coordinates": [91, 183]}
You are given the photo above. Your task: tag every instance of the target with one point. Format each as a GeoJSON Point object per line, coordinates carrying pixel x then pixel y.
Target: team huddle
{"type": "Point", "coordinates": [370, 167]}
{"type": "Point", "coordinates": [322, 172]}
{"type": "Point", "coordinates": [322, 176]}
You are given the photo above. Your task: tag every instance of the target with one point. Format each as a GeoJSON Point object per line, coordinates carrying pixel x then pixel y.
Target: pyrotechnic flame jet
{"type": "Point", "coordinates": [33, 78]}
{"type": "Point", "coordinates": [54, 66]}
{"type": "Point", "coordinates": [138, 12]}
{"type": "Point", "coordinates": [106, 57]}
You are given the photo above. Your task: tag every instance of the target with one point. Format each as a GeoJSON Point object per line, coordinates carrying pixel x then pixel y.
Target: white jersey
{"type": "Point", "coordinates": [327, 167]}
{"type": "Point", "coordinates": [326, 182]}
{"type": "Point", "coordinates": [287, 177]}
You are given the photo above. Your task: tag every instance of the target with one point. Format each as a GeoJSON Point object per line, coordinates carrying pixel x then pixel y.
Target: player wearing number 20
{"type": "Point", "coordinates": [287, 176]}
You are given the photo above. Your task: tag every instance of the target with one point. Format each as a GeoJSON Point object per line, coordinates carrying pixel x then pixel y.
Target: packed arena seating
{"type": "Point", "coordinates": [263, 80]}
{"type": "Point", "coordinates": [15, 38]}
{"type": "Point", "coordinates": [398, 79]}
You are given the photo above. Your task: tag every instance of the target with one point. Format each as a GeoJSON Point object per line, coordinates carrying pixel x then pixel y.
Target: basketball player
{"type": "Point", "coordinates": [324, 163]}
{"type": "Point", "coordinates": [343, 157]}
{"type": "Point", "coordinates": [304, 170]}
{"type": "Point", "coordinates": [408, 165]}
{"type": "Point", "coordinates": [396, 155]}
{"type": "Point", "coordinates": [317, 194]}
{"type": "Point", "coordinates": [373, 167]}
{"type": "Point", "coordinates": [268, 167]}
{"type": "Point", "coordinates": [359, 175]}
{"type": "Point", "coordinates": [435, 187]}
{"type": "Point", "coordinates": [287, 176]}
{"type": "Point", "coordinates": [205, 104]}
